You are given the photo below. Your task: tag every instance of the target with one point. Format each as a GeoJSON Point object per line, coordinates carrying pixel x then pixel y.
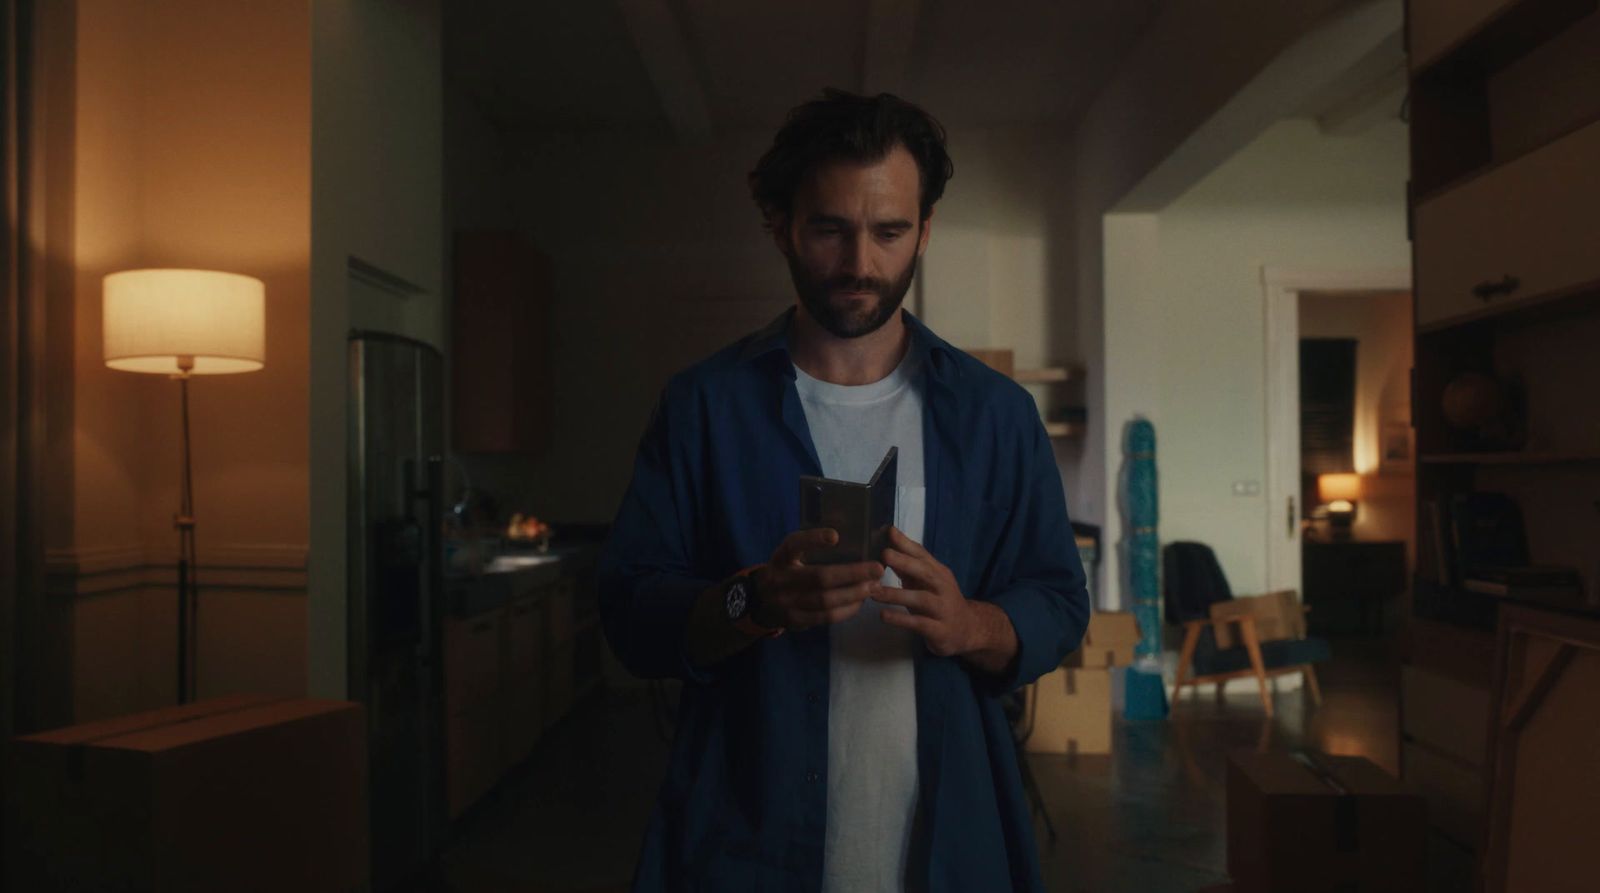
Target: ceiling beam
{"type": "Point", "coordinates": [886, 54]}
{"type": "Point", "coordinates": [658, 37]}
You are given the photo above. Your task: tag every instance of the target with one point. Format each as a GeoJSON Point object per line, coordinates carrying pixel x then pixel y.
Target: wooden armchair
{"type": "Point", "coordinates": [1193, 582]}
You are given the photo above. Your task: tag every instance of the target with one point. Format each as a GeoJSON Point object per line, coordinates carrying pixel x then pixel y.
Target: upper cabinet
{"type": "Point", "coordinates": [1522, 232]}
{"type": "Point", "coordinates": [1505, 153]}
{"type": "Point", "coordinates": [499, 344]}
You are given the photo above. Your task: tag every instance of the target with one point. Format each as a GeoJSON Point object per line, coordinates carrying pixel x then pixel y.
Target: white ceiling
{"type": "Point", "coordinates": [702, 67]}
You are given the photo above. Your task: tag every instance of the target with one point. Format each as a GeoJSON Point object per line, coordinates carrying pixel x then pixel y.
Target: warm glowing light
{"type": "Point", "coordinates": [157, 320]}
{"type": "Point", "coordinates": [1344, 488]}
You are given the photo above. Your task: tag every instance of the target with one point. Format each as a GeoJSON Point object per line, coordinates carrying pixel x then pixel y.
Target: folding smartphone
{"type": "Point", "coordinates": [861, 513]}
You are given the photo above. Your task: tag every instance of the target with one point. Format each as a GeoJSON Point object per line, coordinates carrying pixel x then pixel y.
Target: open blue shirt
{"type": "Point", "coordinates": [715, 488]}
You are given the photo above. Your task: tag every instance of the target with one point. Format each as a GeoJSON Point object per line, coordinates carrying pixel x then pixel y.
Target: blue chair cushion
{"type": "Point", "coordinates": [1274, 655]}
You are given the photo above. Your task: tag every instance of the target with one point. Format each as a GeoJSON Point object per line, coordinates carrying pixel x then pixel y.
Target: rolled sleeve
{"type": "Point", "coordinates": [1046, 597]}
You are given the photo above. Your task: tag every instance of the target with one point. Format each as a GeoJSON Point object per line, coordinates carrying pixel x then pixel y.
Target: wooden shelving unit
{"type": "Point", "coordinates": [1064, 429]}
{"type": "Point", "coordinates": [1048, 375]}
{"type": "Point", "coordinates": [1000, 359]}
{"type": "Point", "coordinates": [1507, 458]}
{"type": "Point", "coordinates": [1505, 133]}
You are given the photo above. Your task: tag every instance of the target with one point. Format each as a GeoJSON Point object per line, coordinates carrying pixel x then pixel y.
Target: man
{"type": "Point", "coordinates": [839, 727]}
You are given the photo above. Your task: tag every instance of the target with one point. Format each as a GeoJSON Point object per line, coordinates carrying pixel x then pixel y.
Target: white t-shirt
{"type": "Point", "coordinates": [872, 691]}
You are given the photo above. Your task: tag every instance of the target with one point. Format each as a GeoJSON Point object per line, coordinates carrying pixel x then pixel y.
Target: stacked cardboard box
{"type": "Point", "coordinates": [1109, 641]}
{"type": "Point", "coordinates": [1071, 707]}
{"type": "Point", "coordinates": [246, 792]}
{"type": "Point", "coordinates": [1314, 823]}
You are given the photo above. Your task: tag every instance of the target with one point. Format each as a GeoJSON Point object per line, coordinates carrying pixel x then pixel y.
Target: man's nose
{"type": "Point", "coordinates": [857, 260]}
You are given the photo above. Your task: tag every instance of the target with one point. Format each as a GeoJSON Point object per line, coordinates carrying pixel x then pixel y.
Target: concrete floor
{"type": "Point", "coordinates": [1148, 818]}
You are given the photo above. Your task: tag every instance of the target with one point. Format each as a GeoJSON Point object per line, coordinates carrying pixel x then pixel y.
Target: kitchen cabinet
{"type": "Point", "coordinates": [500, 344]}
{"type": "Point", "coordinates": [512, 667]}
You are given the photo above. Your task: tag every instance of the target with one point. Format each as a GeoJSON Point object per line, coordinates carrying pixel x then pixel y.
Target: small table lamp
{"type": "Point", "coordinates": [180, 323]}
{"type": "Point", "coordinates": [1340, 492]}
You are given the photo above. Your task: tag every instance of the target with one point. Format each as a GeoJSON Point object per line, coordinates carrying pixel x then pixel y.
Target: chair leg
{"type": "Point", "coordinates": [1311, 683]}
{"type": "Point", "coordinates": [1191, 637]}
{"type": "Point", "coordinates": [1252, 644]}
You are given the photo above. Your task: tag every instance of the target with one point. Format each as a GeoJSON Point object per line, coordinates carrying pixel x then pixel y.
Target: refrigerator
{"type": "Point", "coordinates": [396, 594]}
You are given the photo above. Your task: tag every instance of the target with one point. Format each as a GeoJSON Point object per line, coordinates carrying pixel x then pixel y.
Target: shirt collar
{"type": "Point", "coordinates": [937, 356]}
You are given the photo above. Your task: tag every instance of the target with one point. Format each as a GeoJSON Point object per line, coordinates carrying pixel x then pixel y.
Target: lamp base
{"type": "Point", "coordinates": [1339, 525]}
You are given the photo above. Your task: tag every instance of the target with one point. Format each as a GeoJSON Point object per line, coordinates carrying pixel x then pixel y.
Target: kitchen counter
{"type": "Point", "coordinates": [513, 574]}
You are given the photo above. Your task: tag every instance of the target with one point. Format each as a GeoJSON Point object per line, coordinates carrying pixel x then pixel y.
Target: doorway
{"type": "Point", "coordinates": [1339, 304]}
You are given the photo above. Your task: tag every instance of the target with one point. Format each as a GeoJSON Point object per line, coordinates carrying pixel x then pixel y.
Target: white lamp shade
{"type": "Point", "coordinates": [154, 317]}
{"type": "Point", "coordinates": [1339, 487]}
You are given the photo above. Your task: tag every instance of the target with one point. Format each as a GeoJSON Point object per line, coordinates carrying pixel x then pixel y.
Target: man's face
{"type": "Point", "coordinates": [853, 239]}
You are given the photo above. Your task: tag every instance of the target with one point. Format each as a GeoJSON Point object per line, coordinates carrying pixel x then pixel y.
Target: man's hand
{"type": "Point", "coordinates": [951, 624]}
{"type": "Point", "coordinates": [795, 595]}
{"type": "Point", "coordinates": [789, 593]}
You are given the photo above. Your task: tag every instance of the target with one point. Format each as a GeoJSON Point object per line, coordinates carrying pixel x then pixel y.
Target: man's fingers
{"type": "Point", "coordinates": [826, 599]}
{"type": "Point", "coordinates": [906, 544]}
{"type": "Point", "coordinates": [923, 626]}
{"type": "Point", "coordinates": [828, 576]}
{"type": "Point", "coordinates": [800, 620]}
{"type": "Point", "coordinates": [912, 568]}
{"type": "Point", "coordinates": [915, 600]}
{"type": "Point", "coordinates": [794, 546]}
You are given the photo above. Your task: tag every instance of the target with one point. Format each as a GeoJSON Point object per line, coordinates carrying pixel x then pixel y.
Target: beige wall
{"type": "Point", "coordinates": [1201, 84]}
{"type": "Point", "coordinates": [1188, 319]}
{"type": "Point", "coordinates": [377, 181]}
{"type": "Point", "coordinates": [192, 149]}
{"type": "Point", "coordinates": [1381, 325]}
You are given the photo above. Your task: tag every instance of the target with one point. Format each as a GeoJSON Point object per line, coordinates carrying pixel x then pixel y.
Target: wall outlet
{"type": "Point", "coordinates": [1247, 488]}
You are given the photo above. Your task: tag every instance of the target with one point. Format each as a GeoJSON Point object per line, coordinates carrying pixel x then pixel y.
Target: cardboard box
{"type": "Point", "coordinates": [1343, 825]}
{"type": "Point", "coordinates": [1109, 641]}
{"type": "Point", "coordinates": [243, 793]}
{"type": "Point", "coordinates": [1279, 615]}
{"type": "Point", "coordinates": [1071, 713]}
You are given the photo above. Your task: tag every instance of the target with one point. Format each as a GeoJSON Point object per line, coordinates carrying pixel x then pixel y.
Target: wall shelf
{"type": "Point", "coordinates": [1048, 374]}
{"type": "Point", "coordinates": [1064, 429]}
{"type": "Point", "coordinates": [1509, 458]}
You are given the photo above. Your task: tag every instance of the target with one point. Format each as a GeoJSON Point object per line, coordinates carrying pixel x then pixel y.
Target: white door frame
{"type": "Point", "coordinates": [1281, 290]}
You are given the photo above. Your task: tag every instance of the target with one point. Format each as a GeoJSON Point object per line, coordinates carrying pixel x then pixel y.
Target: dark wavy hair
{"type": "Point", "coordinates": [847, 126]}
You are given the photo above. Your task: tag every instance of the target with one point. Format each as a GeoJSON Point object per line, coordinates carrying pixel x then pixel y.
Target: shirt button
{"type": "Point", "coordinates": [811, 698]}
{"type": "Point", "coordinates": [813, 777]}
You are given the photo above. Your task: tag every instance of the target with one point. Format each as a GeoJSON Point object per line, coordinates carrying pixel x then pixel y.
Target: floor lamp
{"type": "Point", "coordinates": [180, 323]}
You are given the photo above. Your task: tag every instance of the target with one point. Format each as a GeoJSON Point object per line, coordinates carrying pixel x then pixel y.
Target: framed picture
{"type": "Point", "coordinates": [1394, 448]}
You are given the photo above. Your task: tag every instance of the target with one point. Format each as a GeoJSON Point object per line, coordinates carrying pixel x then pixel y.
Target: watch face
{"type": "Point", "coordinates": [736, 601]}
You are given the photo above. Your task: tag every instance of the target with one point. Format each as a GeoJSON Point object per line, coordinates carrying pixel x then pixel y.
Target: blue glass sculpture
{"type": "Point", "coordinates": [1146, 694]}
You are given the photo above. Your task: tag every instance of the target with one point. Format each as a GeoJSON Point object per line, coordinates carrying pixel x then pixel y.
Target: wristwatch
{"type": "Point", "coordinates": [739, 598]}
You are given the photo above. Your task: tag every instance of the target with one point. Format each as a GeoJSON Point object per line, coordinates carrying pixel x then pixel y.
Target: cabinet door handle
{"type": "Point", "coordinates": [1489, 289]}
{"type": "Point", "coordinates": [1291, 518]}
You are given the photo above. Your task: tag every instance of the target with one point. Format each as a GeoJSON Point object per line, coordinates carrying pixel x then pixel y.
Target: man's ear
{"type": "Point", "coordinates": [927, 230]}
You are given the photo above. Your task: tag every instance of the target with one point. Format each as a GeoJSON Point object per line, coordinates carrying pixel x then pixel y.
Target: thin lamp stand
{"type": "Point", "coordinates": [187, 561]}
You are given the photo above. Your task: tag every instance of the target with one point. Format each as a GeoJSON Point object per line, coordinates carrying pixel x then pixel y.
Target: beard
{"type": "Point", "coordinates": [841, 316]}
